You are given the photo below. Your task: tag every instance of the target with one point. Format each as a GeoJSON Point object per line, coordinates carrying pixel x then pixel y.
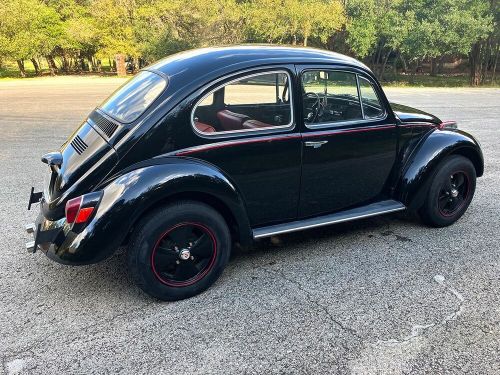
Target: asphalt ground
{"type": "Point", "coordinates": [382, 295]}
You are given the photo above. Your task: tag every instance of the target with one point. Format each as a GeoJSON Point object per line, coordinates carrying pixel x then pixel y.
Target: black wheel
{"type": "Point", "coordinates": [450, 192]}
{"type": "Point", "coordinates": [179, 250]}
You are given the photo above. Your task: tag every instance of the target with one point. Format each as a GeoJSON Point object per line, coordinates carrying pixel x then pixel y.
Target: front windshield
{"type": "Point", "coordinates": [128, 102]}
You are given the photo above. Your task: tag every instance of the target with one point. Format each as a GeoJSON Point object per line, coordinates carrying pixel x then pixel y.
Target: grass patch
{"type": "Point", "coordinates": [10, 70]}
{"type": "Point", "coordinates": [426, 80]}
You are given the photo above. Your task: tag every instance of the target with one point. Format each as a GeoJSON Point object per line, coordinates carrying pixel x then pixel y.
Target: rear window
{"type": "Point", "coordinates": [131, 100]}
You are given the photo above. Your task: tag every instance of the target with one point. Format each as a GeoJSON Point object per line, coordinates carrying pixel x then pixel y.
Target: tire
{"type": "Point", "coordinates": [450, 192]}
{"type": "Point", "coordinates": [179, 250]}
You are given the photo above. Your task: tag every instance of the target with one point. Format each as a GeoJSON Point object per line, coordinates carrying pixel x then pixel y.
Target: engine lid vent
{"type": "Point", "coordinates": [79, 145]}
{"type": "Point", "coordinates": [106, 126]}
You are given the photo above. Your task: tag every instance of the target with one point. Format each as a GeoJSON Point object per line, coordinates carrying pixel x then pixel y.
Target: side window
{"type": "Point", "coordinates": [371, 104]}
{"type": "Point", "coordinates": [255, 102]}
{"type": "Point", "coordinates": [330, 96]}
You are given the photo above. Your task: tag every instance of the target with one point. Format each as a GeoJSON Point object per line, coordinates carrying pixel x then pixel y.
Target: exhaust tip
{"type": "Point", "coordinates": [30, 228]}
{"type": "Point", "coordinates": [30, 246]}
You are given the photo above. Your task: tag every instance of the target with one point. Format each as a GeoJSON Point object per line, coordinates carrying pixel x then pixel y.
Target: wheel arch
{"type": "Point", "coordinates": [235, 226]}
{"type": "Point", "coordinates": [417, 172]}
{"type": "Point", "coordinates": [473, 156]}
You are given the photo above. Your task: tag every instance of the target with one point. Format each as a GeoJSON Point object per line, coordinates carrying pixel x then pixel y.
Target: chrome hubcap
{"type": "Point", "coordinates": [454, 193]}
{"type": "Point", "coordinates": [184, 254]}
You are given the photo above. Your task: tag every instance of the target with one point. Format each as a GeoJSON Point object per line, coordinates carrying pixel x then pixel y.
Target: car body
{"type": "Point", "coordinates": [275, 139]}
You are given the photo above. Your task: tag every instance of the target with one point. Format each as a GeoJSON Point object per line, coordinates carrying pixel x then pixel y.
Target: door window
{"type": "Point", "coordinates": [255, 102]}
{"type": "Point", "coordinates": [330, 97]}
{"type": "Point", "coordinates": [371, 104]}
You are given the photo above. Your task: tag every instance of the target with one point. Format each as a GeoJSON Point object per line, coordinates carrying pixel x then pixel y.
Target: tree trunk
{"type": "Point", "coordinates": [52, 64]}
{"type": "Point", "coordinates": [377, 57]}
{"type": "Point", "coordinates": [494, 69]}
{"type": "Point", "coordinates": [92, 66]}
{"type": "Point", "coordinates": [475, 64]}
{"type": "Point", "coordinates": [486, 58]}
{"type": "Point", "coordinates": [65, 64]}
{"type": "Point", "coordinates": [305, 40]}
{"type": "Point", "coordinates": [440, 65]}
{"type": "Point", "coordinates": [403, 61]}
{"type": "Point", "coordinates": [395, 64]}
{"type": "Point", "coordinates": [20, 65]}
{"type": "Point", "coordinates": [36, 66]}
{"type": "Point", "coordinates": [433, 66]}
{"type": "Point", "coordinates": [382, 69]}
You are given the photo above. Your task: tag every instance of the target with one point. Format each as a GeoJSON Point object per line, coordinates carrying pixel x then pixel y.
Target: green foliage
{"type": "Point", "coordinates": [445, 27]}
{"type": "Point", "coordinates": [362, 26]}
{"type": "Point", "coordinates": [28, 28]}
{"type": "Point", "coordinates": [292, 21]}
{"type": "Point", "coordinates": [378, 31]}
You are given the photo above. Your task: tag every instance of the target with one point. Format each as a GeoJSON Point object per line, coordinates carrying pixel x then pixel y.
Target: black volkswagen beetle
{"type": "Point", "coordinates": [217, 146]}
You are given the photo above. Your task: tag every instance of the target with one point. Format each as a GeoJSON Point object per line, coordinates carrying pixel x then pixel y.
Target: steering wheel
{"type": "Point", "coordinates": [312, 111]}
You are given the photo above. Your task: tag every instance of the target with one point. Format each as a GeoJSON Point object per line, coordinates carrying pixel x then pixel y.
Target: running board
{"type": "Point", "coordinates": [374, 209]}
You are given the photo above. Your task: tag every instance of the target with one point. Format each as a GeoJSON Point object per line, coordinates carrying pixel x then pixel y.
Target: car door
{"type": "Point", "coordinates": [349, 140]}
{"type": "Point", "coordinates": [250, 124]}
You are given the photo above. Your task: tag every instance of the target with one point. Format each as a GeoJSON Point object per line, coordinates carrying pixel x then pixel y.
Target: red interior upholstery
{"type": "Point", "coordinates": [231, 120]}
{"type": "Point", "coordinates": [255, 124]}
{"type": "Point", "coordinates": [204, 128]}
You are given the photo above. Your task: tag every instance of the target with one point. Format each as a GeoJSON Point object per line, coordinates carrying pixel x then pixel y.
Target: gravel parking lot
{"type": "Point", "coordinates": [383, 295]}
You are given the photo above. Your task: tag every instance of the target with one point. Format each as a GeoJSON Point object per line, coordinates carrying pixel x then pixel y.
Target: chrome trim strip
{"type": "Point", "coordinates": [327, 222]}
{"type": "Point", "coordinates": [360, 97]}
{"type": "Point", "coordinates": [341, 123]}
{"type": "Point", "coordinates": [331, 131]}
{"type": "Point", "coordinates": [378, 98]}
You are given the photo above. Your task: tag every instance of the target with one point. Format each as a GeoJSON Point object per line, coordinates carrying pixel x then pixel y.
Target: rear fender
{"type": "Point", "coordinates": [148, 184]}
{"type": "Point", "coordinates": [418, 171]}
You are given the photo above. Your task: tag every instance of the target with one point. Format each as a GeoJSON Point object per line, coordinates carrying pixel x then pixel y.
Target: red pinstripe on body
{"type": "Point", "coordinates": [213, 146]}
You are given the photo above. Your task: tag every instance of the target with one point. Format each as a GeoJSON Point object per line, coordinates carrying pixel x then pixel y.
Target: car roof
{"type": "Point", "coordinates": [198, 62]}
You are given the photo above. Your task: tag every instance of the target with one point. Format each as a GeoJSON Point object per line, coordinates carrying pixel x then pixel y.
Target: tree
{"type": "Point", "coordinates": [167, 27]}
{"type": "Point", "coordinates": [361, 26]}
{"type": "Point", "coordinates": [28, 29]}
{"type": "Point", "coordinates": [445, 27]}
{"type": "Point", "coordinates": [294, 21]}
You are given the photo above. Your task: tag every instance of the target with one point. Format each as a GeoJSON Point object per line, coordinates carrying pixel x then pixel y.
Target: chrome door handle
{"type": "Point", "coordinates": [315, 144]}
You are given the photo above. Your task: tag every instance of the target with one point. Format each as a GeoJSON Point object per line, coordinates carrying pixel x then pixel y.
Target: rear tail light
{"type": "Point", "coordinates": [80, 209]}
{"type": "Point", "coordinates": [84, 214]}
{"type": "Point", "coordinates": [72, 209]}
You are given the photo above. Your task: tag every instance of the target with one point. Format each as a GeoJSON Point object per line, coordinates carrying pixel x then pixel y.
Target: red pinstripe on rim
{"type": "Point", "coordinates": [199, 276]}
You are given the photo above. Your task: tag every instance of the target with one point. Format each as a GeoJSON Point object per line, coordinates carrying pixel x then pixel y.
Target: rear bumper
{"type": "Point", "coordinates": [60, 244]}
{"type": "Point", "coordinates": [54, 239]}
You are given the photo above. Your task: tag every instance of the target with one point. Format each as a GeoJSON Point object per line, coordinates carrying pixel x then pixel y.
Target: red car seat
{"type": "Point", "coordinates": [204, 128]}
{"type": "Point", "coordinates": [255, 124]}
{"type": "Point", "coordinates": [231, 120]}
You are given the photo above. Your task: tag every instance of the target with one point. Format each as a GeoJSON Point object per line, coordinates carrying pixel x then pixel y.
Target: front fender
{"type": "Point", "coordinates": [138, 189]}
{"type": "Point", "coordinates": [418, 171]}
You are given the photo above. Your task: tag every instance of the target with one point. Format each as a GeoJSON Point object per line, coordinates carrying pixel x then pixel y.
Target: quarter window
{"type": "Point", "coordinates": [330, 96]}
{"type": "Point", "coordinates": [255, 102]}
{"type": "Point", "coordinates": [371, 104]}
